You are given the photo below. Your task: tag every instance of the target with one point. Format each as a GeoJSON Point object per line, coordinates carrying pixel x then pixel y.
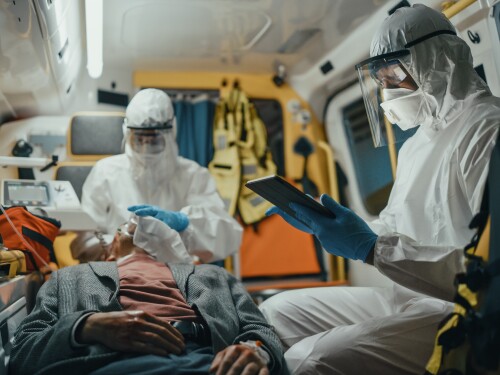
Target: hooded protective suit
{"type": "Point", "coordinates": [160, 178]}
{"type": "Point", "coordinates": [439, 183]}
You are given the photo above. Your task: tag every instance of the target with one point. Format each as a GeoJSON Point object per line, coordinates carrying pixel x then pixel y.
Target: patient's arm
{"type": "Point", "coordinates": [44, 337]}
{"type": "Point", "coordinates": [253, 326]}
{"type": "Point", "coordinates": [130, 331]}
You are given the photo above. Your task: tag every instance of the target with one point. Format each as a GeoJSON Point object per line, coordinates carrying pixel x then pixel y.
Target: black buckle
{"type": "Point", "coordinates": [193, 331]}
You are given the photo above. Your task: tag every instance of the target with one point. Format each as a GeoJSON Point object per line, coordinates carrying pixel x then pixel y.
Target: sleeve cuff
{"type": "Point", "coordinates": [75, 344]}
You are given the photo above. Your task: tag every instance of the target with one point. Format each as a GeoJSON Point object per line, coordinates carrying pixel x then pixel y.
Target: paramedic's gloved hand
{"type": "Point", "coordinates": [289, 219]}
{"type": "Point", "coordinates": [346, 235]}
{"type": "Point", "coordinates": [176, 220]}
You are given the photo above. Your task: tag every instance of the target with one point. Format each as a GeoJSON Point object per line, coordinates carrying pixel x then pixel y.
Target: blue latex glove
{"type": "Point", "coordinates": [289, 219]}
{"type": "Point", "coordinates": [346, 235]}
{"type": "Point", "coordinates": [176, 220]}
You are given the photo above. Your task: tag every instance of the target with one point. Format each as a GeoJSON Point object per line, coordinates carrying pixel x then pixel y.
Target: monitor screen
{"type": "Point", "coordinates": [26, 193]}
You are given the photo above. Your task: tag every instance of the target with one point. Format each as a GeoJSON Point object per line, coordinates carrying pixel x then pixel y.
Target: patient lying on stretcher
{"type": "Point", "coordinates": [135, 312]}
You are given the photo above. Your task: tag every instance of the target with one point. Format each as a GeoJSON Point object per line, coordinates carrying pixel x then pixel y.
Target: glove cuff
{"type": "Point", "coordinates": [183, 221]}
{"type": "Point", "coordinates": [366, 247]}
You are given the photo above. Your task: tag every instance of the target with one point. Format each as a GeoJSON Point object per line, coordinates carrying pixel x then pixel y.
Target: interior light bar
{"type": "Point", "coordinates": [94, 28]}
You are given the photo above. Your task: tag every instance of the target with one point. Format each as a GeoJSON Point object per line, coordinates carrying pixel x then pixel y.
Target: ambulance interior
{"type": "Point", "coordinates": [69, 68]}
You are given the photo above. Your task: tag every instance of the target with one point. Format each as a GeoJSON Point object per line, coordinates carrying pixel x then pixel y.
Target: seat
{"type": "Point", "coordinates": [94, 135]}
{"type": "Point", "coordinates": [75, 173]}
{"type": "Point", "coordinates": [91, 136]}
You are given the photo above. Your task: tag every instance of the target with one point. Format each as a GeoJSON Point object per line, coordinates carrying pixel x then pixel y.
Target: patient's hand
{"type": "Point", "coordinates": [131, 331]}
{"type": "Point", "coordinates": [238, 359]}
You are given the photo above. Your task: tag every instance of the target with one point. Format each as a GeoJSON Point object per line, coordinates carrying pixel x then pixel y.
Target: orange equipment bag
{"type": "Point", "coordinates": [277, 249]}
{"type": "Point", "coordinates": [39, 232]}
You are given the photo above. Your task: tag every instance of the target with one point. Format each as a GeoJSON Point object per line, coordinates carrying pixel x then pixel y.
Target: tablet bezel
{"type": "Point", "coordinates": [281, 193]}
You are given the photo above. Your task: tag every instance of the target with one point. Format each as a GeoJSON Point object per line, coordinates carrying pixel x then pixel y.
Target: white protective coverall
{"type": "Point", "coordinates": [165, 180]}
{"type": "Point", "coordinates": [438, 188]}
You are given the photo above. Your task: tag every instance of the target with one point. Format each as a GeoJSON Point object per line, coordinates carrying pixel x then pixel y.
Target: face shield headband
{"type": "Point", "coordinates": [167, 125]}
{"type": "Point", "coordinates": [387, 74]}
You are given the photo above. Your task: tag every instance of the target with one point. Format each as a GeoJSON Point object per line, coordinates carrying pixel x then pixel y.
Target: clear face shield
{"type": "Point", "coordinates": [384, 79]}
{"type": "Point", "coordinates": [388, 88]}
{"type": "Point", "coordinates": [149, 140]}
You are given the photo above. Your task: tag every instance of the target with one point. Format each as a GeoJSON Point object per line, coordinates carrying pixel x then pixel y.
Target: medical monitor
{"type": "Point", "coordinates": [25, 193]}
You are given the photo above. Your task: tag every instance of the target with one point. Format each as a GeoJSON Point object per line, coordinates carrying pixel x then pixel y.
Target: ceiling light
{"type": "Point", "coordinates": [94, 25]}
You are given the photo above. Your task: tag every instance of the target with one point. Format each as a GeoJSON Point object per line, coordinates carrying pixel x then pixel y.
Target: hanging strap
{"type": "Point", "coordinates": [41, 239]}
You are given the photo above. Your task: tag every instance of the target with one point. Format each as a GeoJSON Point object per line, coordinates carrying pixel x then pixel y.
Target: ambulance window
{"type": "Point", "coordinates": [372, 165]}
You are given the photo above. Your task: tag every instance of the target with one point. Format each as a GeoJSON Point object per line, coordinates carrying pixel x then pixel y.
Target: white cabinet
{"type": "Point", "coordinates": [477, 25]}
{"type": "Point", "coordinates": [60, 25]}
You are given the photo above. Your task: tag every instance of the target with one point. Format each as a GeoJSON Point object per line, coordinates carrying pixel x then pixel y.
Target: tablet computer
{"type": "Point", "coordinates": [281, 193]}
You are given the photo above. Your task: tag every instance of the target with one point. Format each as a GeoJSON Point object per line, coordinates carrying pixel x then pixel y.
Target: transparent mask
{"type": "Point", "coordinates": [379, 75]}
{"type": "Point", "coordinates": [127, 229]}
{"type": "Point", "coordinates": [147, 141]}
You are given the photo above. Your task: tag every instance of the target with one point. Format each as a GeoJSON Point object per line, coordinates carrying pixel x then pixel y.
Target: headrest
{"type": "Point", "coordinates": [94, 135]}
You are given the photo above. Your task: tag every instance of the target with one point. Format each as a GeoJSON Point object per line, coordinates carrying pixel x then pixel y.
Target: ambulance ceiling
{"type": "Point", "coordinates": [230, 35]}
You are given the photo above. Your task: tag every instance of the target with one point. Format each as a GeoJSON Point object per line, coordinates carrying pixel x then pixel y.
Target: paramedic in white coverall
{"type": "Point", "coordinates": [426, 77]}
{"type": "Point", "coordinates": [151, 172]}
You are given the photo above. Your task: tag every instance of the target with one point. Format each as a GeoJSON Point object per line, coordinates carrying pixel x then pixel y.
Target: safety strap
{"type": "Point", "coordinates": [41, 239]}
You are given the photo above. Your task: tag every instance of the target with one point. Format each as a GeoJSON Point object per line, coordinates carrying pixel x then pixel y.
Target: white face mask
{"type": "Point", "coordinates": [405, 108]}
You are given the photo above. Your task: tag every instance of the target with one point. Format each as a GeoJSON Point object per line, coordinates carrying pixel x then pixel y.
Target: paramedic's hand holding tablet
{"type": "Point", "coordinates": [345, 235]}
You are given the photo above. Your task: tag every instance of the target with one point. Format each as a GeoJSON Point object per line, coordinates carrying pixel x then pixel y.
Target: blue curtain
{"type": "Point", "coordinates": [195, 130]}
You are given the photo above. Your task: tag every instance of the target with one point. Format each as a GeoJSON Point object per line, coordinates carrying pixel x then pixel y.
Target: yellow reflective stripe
{"type": "Point", "coordinates": [260, 133]}
{"type": "Point", "coordinates": [437, 355]}
{"type": "Point", "coordinates": [466, 293]}
{"type": "Point", "coordinates": [483, 246]}
{"type": "Point", "coordinates": [459, 309]}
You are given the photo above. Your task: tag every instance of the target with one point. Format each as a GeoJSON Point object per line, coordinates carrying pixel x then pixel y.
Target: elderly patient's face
{"type": "Point", "coordinates": [122, 244]}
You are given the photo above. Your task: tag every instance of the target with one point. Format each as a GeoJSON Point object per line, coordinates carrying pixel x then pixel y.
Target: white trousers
{"type": "Point", "coordinates": [352, 330]}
